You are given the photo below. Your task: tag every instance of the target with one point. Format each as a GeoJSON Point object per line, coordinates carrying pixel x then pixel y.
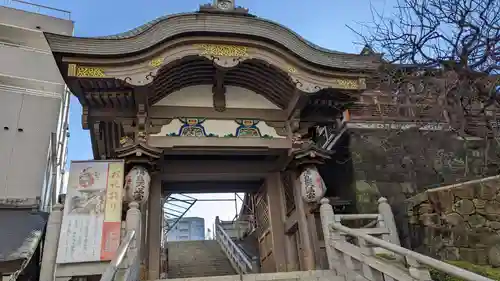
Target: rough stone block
{"type": "Point", "coordinates": [464, 192]}
{"type": "Point", "coordinates": [468, 254]}
{"type": "Point", "coordinates": [492, 207]}
{"type": "Point", "coordinates": [477, 221]}
{"type": "Point", "coordinates": [486, 190]}
{"type": "Point", "coordinates": [464, 207]}
{"type": "Point", "coordinates": [494, 256]}
{"type": "Point", "coordinates": [450, 253]}
{"type": "Point", "coordinates": [454, 219]}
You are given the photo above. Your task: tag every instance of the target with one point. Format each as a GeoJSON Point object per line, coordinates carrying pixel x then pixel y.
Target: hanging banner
{"type": "Point", "coordinates": [91, 224]}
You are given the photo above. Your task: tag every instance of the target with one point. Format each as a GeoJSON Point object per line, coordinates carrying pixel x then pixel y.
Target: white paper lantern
{"type": "Point", "coordinates": [312, 185]}
{"type": "Point", "coordinates": [137, 184]}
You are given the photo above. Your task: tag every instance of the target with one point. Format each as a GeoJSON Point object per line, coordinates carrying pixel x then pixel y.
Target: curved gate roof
{"type": "Point", "coordinates": [168, 27]}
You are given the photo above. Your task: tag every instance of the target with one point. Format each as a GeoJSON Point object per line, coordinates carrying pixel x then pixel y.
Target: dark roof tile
{"type": "Point", "coordinates": [21, 232]}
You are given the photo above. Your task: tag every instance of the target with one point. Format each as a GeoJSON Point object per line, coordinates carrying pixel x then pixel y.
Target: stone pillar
{"type": "Point", "coordinates": [307, 250]}
{"type": "Point", "coordinates": [144, 237]}
{"type": "Point", "coordinates": [327, 218]}
{"type": "Point", "coordinates": [154, 228]}
{"type": "Point", "coordinates": [48, 267]}
{"type": "Point", "coordinates": [275, 202]}
{"type": "Point", "coordinates": [133, 222]}
{"type": "Point", "coordinates": [385, 211]}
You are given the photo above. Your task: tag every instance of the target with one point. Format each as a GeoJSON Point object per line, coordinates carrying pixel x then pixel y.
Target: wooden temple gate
{"type": "Point", "coordinates": [216, 101]}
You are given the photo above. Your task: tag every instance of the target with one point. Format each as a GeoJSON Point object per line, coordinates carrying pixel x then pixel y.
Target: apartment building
{"type": "Point", "coordinates": [34, 105]}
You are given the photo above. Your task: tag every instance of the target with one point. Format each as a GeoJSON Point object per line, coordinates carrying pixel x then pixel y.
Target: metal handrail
{"type": "Point", "coordinates": [243, 256]}
{"type": "Point", "coordinates": [111, 270]}
{"type": "Point", "coordinates": [433, 263]}
{"type": "Point", "coordinates": [39, 7]}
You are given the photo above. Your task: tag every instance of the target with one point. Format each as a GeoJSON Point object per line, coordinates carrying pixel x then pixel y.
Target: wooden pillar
{"type": "Point", "coordinates": [292, 253]}
{"type": "Point", "coordinates": [275, 202]}
{"type": "Point", "coordinates": [154, 228]}
{"type": "Point", "coordinates": [307, 250]}
{"type": "Point", "coordinates": [313, 230]}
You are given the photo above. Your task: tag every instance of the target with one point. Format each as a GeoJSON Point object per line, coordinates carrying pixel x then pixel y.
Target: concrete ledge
{"type": "Point", "coordinates": [81, 269]}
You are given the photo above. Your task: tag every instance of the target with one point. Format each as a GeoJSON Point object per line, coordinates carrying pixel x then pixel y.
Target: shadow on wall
{"type": "Point", "coordinates": [337, 173]}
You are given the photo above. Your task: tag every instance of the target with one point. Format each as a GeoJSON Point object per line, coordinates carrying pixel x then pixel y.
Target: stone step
{"type": "Point", "coordinates": [315, 275]}
{"type": "Point", "coordinates": [188, 259]}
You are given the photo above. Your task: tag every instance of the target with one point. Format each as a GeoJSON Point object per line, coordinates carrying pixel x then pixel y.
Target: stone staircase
{"type": "Point", "coordinates": [197, 259]}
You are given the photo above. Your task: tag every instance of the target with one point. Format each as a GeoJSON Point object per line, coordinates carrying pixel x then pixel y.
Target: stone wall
{"type": "Point", "coordinates": [399, 164]}
{"type": "Point", "coordinates": [460, 221]}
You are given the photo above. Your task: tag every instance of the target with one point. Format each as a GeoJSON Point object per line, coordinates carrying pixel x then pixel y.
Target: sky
{"type": "Point", "coordinates": [323, 22]}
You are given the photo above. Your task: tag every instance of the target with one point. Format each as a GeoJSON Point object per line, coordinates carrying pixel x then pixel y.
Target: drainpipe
{"type": "Point", "coordinates": [53, 160]}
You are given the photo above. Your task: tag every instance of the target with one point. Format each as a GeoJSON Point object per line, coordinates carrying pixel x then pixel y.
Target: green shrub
{"type": "Point", "coordinates": [484, 270]}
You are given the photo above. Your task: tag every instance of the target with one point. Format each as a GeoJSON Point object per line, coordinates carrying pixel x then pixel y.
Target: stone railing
{"type": "Point", "coordinates": [359, 260]}
{"type": "Point", "coordinates": [240, 261]}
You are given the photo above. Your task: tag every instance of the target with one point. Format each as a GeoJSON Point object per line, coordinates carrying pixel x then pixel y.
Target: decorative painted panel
{"type": "Point", "coordinates": [247, 128]}
{"type": "Point", "coordinates": [192, 127]}
{"type": "Point", "coordinates": [202, 127]}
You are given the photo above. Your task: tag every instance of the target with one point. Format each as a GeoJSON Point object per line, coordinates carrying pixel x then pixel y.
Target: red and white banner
{"type": "Point", "coordinates": [91, 225]}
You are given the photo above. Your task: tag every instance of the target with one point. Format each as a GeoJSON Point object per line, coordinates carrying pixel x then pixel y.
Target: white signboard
{"type": "Point", "coordinates": [91, 224]}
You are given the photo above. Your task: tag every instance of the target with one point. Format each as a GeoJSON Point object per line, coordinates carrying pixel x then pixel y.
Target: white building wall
{"type": "Point", "coordinates": [33, 106]}
{"type": "Point", "coordinates": [187, 229]}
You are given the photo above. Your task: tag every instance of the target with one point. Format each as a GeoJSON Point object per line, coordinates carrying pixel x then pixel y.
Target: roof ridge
{"type": "Point", "coordinates": [145, 27]}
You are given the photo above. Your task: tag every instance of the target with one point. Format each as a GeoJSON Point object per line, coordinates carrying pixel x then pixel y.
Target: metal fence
{"type": "Point", "coordinates": [35, 8]}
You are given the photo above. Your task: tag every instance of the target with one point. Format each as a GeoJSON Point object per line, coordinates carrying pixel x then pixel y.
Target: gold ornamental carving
{"type": "Point", "coordinates": [348, 84]}
{"type": "Point", "coordinates": [85, 72]}
{"type": "Point", "coordinates": [157, 62]}
{"type": "Point", "coordinates": [91, 72]}
{"type": "Point", "coordinates": [223, 50]}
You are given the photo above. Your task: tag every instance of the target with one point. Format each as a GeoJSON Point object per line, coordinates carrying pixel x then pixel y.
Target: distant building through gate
{"type": "Point", "coordinates": [187, 229]}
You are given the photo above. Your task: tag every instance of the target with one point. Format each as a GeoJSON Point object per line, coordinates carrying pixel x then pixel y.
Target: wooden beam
{"type": "Point", "coordinates": [291, 222]}
{"type": "Point", "coordinates": [217, 167]}
{"type": "Point", "coordinates": [159, 111]}
{"type": "Point", "coordinates": [297, 102]}
{"type": "Point", "coordinates": [212, 177]}
{"type": "Point", "coordinates": [169, 112]}
{"type": "Point", "coordinates": [212, 186]}
{"type": "Point", "coordinates": [222, 143]}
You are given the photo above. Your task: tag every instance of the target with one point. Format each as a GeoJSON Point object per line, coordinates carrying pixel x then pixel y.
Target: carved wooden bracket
{"type": "Point", "coordinates": [85, 117]}
{"type": "Point", "coordinates": [226, 62]}
{"type": "Point", "coordinates": [155, 125]}
{"type": "Point", "coordinates": [219, 91]}
{"type": "Point", "coordinates": [141, 117]}
{"type": "Point", "coordinates": [280, 128]}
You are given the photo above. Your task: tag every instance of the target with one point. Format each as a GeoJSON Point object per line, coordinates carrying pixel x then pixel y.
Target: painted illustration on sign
{"type": "Point", "coordinates": [87, 199]}
{"type": "Point", "coordinates": [91, 225]}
